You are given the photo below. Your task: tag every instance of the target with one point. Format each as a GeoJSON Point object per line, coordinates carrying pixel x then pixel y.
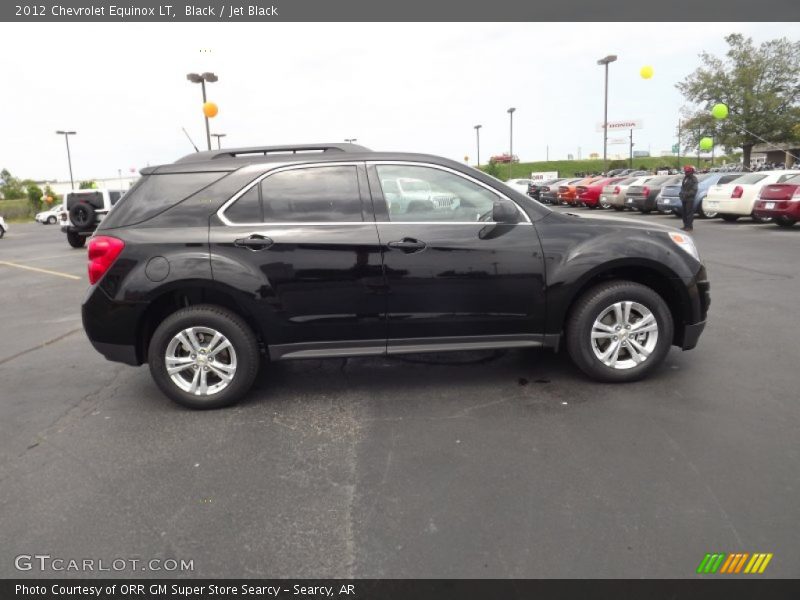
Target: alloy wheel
{"type": "Point", "coordinates": [624, 335]}
{"type": "Point", "coordinates": [200, 361]}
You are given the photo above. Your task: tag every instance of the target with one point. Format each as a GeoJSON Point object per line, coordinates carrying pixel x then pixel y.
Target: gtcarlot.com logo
{"type": "Point", "coordinates": [734, 563]}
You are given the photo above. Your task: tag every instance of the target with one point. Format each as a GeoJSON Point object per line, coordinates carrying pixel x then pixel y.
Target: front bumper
{"type": "Point", "coordinates": [691, 335]}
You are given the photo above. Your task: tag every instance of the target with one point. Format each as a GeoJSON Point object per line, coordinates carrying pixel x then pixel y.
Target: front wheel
{"type": "Point", "coordinates": [203, 357]}
{"type": "Point", "coordinates": [51, 220]}
{"type": "Point", "coordinates": [75, 240]}
{"type": "Point", "coordinates": [619, 331]}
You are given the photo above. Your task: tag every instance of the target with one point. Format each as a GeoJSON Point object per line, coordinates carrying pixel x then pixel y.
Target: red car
{"type": "Point", "coordinates": [589, 195]}
{"type": "Point", "coordinates": [780, 202]}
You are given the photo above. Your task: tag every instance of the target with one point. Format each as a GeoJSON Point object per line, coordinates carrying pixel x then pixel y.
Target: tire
{"type": "Point", "coordinates": [2, 232]}
{"type": "Point", "coordinates": [82, 215]}
{"type": "Point", "coordinates": [645, 211]}
{"type": "Point", "coordinates": [596, 301]}
{"type": "Point", "coordinates": [705, 214]}
{"type": "Point", "coordinates": [618, 208]}
{"type": "Point", "coordinates": [779, 221]}
{"type": "Point", "coordinates": [730, 218]}
{"type": "Point", "coordinates": [242, 355]}
{"type": "Point", "coordinates": [51, 220]}
{"type": "Point", "coordinates": [75, 240]}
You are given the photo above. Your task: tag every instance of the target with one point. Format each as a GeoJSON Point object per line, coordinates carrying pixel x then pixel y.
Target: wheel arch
{"type": "Point", "coordinates": [166, 301]}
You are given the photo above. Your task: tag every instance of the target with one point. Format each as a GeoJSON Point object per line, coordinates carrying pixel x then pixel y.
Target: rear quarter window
{"type": "Point", "coordinates": [153, 194]}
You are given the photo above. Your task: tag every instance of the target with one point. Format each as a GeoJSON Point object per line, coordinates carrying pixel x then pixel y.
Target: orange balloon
{"type": "Point", "coordinates": [210, 110]}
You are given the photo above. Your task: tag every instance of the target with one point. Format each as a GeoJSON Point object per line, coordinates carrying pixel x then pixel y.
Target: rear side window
{"type": "Point", "coordinates": [727, 178]}
{"type": "Point", "coordinates": [247, 209]}
{"type": "Point", "coordinates": [749, 179]}
{"type": "Point", "coordinates": [153, 194]}
{"type": "Point", "coordinates": [114, 197]}
{"type": "Point", "coordinates": [313, 194]}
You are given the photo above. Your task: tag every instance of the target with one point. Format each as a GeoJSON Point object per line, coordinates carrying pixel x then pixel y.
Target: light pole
{"type": "Point", "coordinates": [66, 135]}
{"type": "Point", "coordinates": [218, 136]}
{"type": "Point", "coordinates": [605, 62]}
{"type": "Point", "coordinates": [350, 140]}
{"type": "Point", "coordinates": [478, 140]}
{"type": "Point", "coordinates": [201, 79]}
{"type": "Point", "coordinates": [510, 112]}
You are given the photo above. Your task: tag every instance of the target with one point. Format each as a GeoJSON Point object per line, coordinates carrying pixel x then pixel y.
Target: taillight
{"type": "Point", "coordinates": [103, 251]}
{"type": "Point", "coordinates": [737, 192]}
{"type": "Point", "coordinates": [646, 191]}
{"type": "Point", "coordinates": [616, 189]}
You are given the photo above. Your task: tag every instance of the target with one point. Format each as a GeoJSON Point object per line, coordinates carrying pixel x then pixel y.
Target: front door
{"type": "Point", "coordinates": [455, 277]}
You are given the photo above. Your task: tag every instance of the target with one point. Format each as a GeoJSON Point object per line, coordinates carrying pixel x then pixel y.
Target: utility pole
{"type": "Point", "coordinates": [478, 139]}
{"type": "Point", "coordinates": [630, 163]}
{"type": "Point", "coordinates": [679, 143]}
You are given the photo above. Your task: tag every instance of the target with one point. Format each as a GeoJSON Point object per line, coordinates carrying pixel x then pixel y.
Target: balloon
{"type": "Point", "coordinates": [646, 72]}
{"type": "Point", "coordinates": [720, 111]}
{"type": "Point", "coordinates": [210, 110]}
{"type": "Point", "coordinates": [706, 143]}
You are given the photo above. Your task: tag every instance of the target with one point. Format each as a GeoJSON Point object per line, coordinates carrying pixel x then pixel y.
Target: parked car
{"type": "Point", "coordinates": [643, 197]}
{"type": "Point", "coordinates": [225, 254]}
{"type": "Point", "coordinates": [589, 195]}
{"type": "Point", "coordinates": [613, 196]}
{"type": "Point", "coordinates": [568, 193]}
{"type": "Point", "coordinates": [521, 185]}
{"type": "Point", "coordinates": [549, 193]}
{"type": "Point", "coordinates": [669, 198]}
{"type": "Point", "coordinates": [3, 227]}
{"type": "Point", "coordinates": [50, 216]}
{"type": "Point", "coordinates": [737, 198]}
{"type": "Point", "coordinates": [780, 202]}
{"type": "Point", "coordinates": [535, 187]}
{"type": "Point", "coordinates": [84, 211]}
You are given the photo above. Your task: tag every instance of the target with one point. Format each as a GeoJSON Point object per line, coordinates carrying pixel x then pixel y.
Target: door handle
{"type": "Point", "coordinates": [254, 242]}
{"type": "Point", "coordinates": [408, 245]}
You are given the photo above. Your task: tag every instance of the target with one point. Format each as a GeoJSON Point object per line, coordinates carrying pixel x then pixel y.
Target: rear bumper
{"type": "Point", "coordinates": [117, 352]}
{"type": "Point", "coordinates": [112, 326]}
{"type": "Point", "coordinates": [782, 208]}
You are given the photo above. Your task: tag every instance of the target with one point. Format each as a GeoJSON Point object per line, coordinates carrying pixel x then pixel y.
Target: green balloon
{"type": "Point", "coordinates": [720, 111]}
{"type": "Point", "coordinates": [706, 143]}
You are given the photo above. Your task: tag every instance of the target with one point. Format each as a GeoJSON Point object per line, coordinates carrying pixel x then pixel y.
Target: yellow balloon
{"type": "Point", "coordinates": [646, 72]}
{"type": "Point", "coordinates": [210, 110]}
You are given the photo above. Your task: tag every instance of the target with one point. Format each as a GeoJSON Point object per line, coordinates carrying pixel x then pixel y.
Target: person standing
{"type": "Point", "coordinates": [687, 194]}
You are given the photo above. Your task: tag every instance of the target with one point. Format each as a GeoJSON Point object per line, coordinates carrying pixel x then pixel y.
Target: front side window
{"type": "Point", "coordinates": [433, 195]}
{"type": "Point", "coordinates": [313, 194]}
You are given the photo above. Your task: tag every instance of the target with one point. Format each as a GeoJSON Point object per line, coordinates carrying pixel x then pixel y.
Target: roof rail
{"type": "Point", "coordinates": [267, 150]}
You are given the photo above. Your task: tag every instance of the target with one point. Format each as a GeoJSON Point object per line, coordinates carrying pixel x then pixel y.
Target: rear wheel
{"type": "Point", "coordinates": [75, 240]}
{"type": "Point", "coordinates": [784, 222]}
{"type": "Point", "coordinates": [203, 357]}
{"type": "Point", "coordinates": [51, 220]}
{"type": "Point", "coordinates": [618, 208]}
{"type": "Point", "coordinates": [706, 214]}
{"type": "Point", "coordinates": [730, 218]}
{"type": "Point", "coordinates": [619, 331]}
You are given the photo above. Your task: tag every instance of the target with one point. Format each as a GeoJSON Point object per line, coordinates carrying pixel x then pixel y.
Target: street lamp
{"type": "Point", "coordinates": [478, 138]}
{"type": "Point", "coordinates": [66, 135]}
{"type": "Point", "coordinates": [605, 62]}
{"type": "Point", "coordinates": [510, 112]}
{"type": "Point", "coordinates": [201, 79]}
{"type": "Point", "coordinates": [350, 140]}
{"type": "Point", "coordinates": [218, 136]}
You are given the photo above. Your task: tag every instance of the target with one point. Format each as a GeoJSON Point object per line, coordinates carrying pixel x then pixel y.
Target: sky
{"type": "Point", "coordinates": [418, 87]}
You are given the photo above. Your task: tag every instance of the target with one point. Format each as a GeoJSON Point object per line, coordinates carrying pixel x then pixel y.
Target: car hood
{"type": "Point", "coordinates": [605, 222]}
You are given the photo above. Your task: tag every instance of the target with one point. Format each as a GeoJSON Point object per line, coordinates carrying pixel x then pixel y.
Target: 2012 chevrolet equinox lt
{"type": "Point", "coordinates": [332, 250]}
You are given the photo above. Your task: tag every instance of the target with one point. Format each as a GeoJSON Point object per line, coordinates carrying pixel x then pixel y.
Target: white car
{"type": "Point", "coordinates": [521, 185]}
{"type": "Point", "coordinates": [738, 197]}
{"type": "Point", "coordinates": [51, 216]}
{"type": "Point", "coordinates": [3, 227]}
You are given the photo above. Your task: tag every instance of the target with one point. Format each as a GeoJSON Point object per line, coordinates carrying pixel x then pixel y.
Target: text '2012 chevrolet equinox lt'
{"type": "Point", "coordinates": [332, 250]}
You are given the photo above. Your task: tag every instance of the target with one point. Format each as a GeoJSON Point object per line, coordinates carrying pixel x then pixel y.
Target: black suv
{"type": "Point", "coordinates": [332, 250]}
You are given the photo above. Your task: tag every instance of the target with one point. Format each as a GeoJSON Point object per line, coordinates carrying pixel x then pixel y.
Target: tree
{"type": "Point", "coordinates": [87, 185]}
{"type": "Point", "coordinates": [492, 169]}
{"type": "Point", "coordinates": [10, 187]}
{"type": "Point", "coordinates": [35, 194]}
{"type": "Point", "coordinates": [759, 84]}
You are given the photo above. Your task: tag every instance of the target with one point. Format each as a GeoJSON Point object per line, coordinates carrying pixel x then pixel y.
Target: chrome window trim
{"type": "Point", "coordinates": [407, 163]}
{"type": "Point", "coordinates": [288, 167]}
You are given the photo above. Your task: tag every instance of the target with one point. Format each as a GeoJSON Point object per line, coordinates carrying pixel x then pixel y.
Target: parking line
{"type": "Point", "coordinates": [38, 270]}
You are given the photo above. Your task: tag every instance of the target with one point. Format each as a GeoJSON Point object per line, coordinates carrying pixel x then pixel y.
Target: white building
{"type": "Point", "coordinates": [123, 183]}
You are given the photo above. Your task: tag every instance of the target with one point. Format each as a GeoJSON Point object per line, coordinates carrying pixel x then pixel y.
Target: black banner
{"type": "Point", "coordinates": [407, 10]}
{"type": "Point", "coordinates": [394, 589]}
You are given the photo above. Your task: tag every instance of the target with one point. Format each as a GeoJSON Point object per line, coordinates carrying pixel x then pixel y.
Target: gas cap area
{"type": "Point", "coordinates": [157, 268]}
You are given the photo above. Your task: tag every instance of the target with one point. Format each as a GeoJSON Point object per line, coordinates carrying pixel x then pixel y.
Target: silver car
{"type": "Point", "coordinates": [613, 196]}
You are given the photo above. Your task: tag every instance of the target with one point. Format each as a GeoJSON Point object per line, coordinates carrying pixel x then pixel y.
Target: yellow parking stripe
{"type": "Point", "coordinates": [38, 270]}
{"type": "Point", "coordinates": [765, 563]}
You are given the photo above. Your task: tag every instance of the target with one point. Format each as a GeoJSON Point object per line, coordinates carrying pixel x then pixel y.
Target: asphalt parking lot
{"type": "Point", "coordinates": [480, 464]}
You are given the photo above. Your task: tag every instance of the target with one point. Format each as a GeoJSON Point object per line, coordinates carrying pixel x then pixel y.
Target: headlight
{"type": "Point", "coordinates": [685, 243]}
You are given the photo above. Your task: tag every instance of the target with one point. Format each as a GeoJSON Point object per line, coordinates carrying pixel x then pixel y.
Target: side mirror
{"type": "Point", "coordinates": [505, 211]}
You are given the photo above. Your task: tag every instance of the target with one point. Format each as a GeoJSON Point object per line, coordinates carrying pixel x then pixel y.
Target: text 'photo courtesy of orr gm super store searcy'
{"type": "Point", "coordinates": [185, 591]}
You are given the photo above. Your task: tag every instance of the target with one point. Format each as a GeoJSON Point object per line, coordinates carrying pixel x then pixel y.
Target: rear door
{"type": "Point", "coordinates": [300, 247]}
{"type": "Point", "coordinates": [455, 277]}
